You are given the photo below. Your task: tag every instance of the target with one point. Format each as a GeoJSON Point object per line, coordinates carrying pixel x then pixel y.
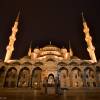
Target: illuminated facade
{"type": "Point", "coordinates": [47, 67]}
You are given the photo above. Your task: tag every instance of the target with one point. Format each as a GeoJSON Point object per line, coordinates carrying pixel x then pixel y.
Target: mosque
{"type": "Point", "coordinates": [50, 66]}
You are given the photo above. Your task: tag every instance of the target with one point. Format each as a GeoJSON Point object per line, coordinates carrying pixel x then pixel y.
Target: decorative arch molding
{"type": "Point", "coordinates": [76, 68]}
{"type": "Point", "coordinates": [73, 63]}
{"type": "Point", "coordinates": [15, 63]}
{"type": "Point", "coordinates": [62, 64]}
{"type": "Point", "coordinates": [26, 63]}
{"type": "Point", "coordinates": [84, 63]}
{"type": "Point", "coordinates": [38, 64]}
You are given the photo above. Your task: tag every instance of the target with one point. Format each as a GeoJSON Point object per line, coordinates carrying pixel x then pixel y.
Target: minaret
{"type": "Point", "coordinates": [30, 50]}
{"type": "Point", "coordinates": [70, 50]}
{"type": "Point", "coordinates": [88, 39]}
{"type": "Point", "coordinates": [12, 39]}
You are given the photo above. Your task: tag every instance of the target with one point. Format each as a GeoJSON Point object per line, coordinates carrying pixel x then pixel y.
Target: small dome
{"type": "Point", "coordinates": [36, 50]}
{"type": "Point", "coordinates": [64, 50]}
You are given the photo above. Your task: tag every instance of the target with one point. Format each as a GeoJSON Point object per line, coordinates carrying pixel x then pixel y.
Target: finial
{"type": "Point", "coordinates": [83, 17]}
{"type": "Point", "coordinates": [70, 49]}
{"type": "Point", "coordinates": [29, 52]}
{"type": "Point", "coordinates": [18, 16]}
{"type": "Point", "coordinates": [69, 44]}
{"type": "Point", "coordinates": [30, 44]}
{"type": "Point", "coordinates": [50, 42]}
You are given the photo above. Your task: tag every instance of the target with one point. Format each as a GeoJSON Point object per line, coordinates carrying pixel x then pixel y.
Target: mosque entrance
{"type": "Point", "coordinates": [51, 84]}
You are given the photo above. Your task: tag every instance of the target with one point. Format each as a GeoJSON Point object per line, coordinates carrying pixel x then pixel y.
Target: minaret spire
{"type": "Point", "coordinates": [30, 49]}
{"type": "Point", "coordinates": [12, 39]}
{"type": "Point", "coordinates": [17, 18]}
{"type": "Point", "coordinates": [50, 42]}
{"type": "Point", "coordinates": [83, 17]}
{"type": "Point", "coordinates": [70, 49]}
{"type": "Point", "coordinates": [88, 39]}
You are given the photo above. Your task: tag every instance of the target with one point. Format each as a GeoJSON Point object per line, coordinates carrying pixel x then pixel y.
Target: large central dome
{"type": "Point", "coordinates": [50, 48]}
{"type": "Point", "coordinates": [50, 51]}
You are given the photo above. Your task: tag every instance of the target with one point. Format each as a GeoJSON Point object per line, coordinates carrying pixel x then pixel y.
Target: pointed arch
{"type": "Point", "coordinates": [90, 77]}
{"type": "Point", "coordinates": [76, 77]}
{"type": "Point", "coordinates": [51, 80]}
{"type": "Point", "coordinates": [27, 63]}
{"type": "Point", "coordinates": [64, 70]}
{"type": "Point", "coordinates": [11, 78]}
{"type": "Point", "coordinates": [24, 77]}
{"type": "Point", "coordinates": [74, 63]}
{"type": "Point", "coordinates": [36, 78]}
{"type": "Point", "coordinates": [37, 64]}
{"type": "Point", "coordinates": [64, 78]}
{"type": "Point", "coordinates": [62, 64]}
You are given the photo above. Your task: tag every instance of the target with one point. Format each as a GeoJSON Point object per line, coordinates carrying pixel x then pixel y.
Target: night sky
{"type": "Point", "coordinates": [42, 21]}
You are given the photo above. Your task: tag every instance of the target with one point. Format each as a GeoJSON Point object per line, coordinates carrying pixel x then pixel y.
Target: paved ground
{"type": "Point", "coordinates": [29, 94]}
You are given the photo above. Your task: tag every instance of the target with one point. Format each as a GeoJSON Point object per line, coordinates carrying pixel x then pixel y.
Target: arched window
{"type": "Point", "coordinates": [11, 78]}
{"type": "Point", "coordinates": [36, 78]}
{"type": "Point", "coordinates": [24, 77]}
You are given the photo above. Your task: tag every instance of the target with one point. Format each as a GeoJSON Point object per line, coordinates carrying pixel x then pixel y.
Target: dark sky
{"type": "Point", "coordinates": [42, 21]}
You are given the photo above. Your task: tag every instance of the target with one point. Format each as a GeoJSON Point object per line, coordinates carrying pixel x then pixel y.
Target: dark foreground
{"type": "Point", "coordinates": [29, 94]}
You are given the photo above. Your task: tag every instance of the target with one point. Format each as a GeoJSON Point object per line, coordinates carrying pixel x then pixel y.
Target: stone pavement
{"type": "Point", "coordinates": [30, 94]}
